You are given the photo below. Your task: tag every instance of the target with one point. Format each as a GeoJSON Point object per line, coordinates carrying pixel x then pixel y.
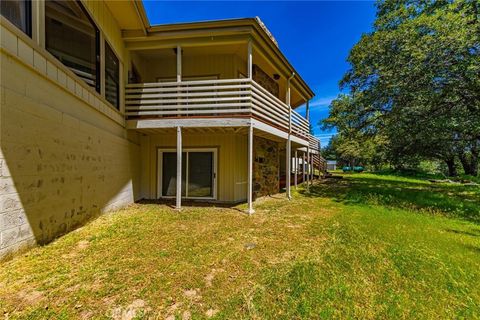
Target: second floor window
{"type": "Point", "coordinates": [112, 77]}
{"type": "Point", "coordinates": [18, 12]}
{"type": "Point", "coordinates": [72, 37]}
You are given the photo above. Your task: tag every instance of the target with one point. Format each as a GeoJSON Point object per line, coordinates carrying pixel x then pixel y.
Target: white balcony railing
{"type": "Point", "coordinates": [212, 98]}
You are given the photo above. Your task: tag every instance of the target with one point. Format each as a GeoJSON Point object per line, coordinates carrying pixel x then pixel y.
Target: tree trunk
{"type": "Point", "coordinates": [474, 161]}
{"type": "Point", "coordinates": [475, 158]}
{"type": "Point", "coordinates": [470, 162]}
{"type": "Point", "coordinates": [452, 169]}
{"type": "Point", "coordinates": [464, 161]}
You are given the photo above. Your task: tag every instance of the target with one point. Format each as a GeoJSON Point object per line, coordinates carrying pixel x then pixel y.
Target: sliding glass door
{"type": "Point", "coordinates": [198, 173]}
{"type": "Point", "coordinates": [169, 174]}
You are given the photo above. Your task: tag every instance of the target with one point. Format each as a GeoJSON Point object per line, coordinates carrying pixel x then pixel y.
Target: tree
{"type": "Point", "coordinates": [415, 80]}
{"type": "Point", "coordinates": [328, 152]}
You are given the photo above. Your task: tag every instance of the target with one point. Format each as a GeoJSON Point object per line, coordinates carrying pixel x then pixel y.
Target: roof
{"type": "Point", "coordinates": [139, 22]}
{"type": "Point", "coordinates": [122, 11]}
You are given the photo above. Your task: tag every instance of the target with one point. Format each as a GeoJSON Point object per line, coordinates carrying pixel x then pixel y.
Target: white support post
{"type": "Point", "coordinates": [288, 170]}
{"type": "Point", "coordinates": [178, 199]}
{"type": "Point", "coordinates": [250, 170]}
{"type": "Point", "coordinates": [303, 167]}
{"type": "Point", "coordinates": [289, 142]}
{"type": "Point", "coordinates": [308, 169]}
{"type": "Point", "coordinates": [179, 63]}
{"type": "Point", "coordinates": [296, 168]}
{"type": "Point", "coordinates": [249, 60]}
{"type": "Point", "coordinates": [312, 170]}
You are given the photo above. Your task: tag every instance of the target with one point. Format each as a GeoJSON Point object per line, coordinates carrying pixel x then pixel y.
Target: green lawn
{"type": "Point", "coordinates": [365, 246]}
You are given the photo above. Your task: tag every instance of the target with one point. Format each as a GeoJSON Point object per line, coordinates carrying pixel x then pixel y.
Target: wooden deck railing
{"type": "Point", "coordinates": [212, 98]}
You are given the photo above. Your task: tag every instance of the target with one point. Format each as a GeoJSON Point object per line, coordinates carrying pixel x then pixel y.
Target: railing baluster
{"type": "Point", "coordinates": [224, 97]}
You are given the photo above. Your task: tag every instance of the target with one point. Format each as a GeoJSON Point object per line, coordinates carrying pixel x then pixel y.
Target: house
{"type": "Point", "coordinates": [331, 164]}
{"type": "Point", "coordinates": [99, 109]}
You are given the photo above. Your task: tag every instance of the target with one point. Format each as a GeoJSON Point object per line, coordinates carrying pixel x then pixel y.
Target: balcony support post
{"type": "Point", "coordinates": [308, 169]}
{"type": "Point", "coordinates": [313, 168]}
{"type": "Point", "coordinates": [249, 60]}
{"type": "Point", "coordinates": [178, 196]}
{"type": "Point", "coordinates": [296, 168]}
{"type": "Point", "coordinates": [288, 169]}
{"type": "Point", "coordinates": [289, 142]}
{"type": "Point", "coordinates": [303, 167]}
{"type": "Point", "coordinates": [250, 171]}
{"type": "Point", "coordinates": [179, 63]}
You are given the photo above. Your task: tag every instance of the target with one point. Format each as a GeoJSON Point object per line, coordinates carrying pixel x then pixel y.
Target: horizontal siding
{"type": "Point", "coordinates": [222, 65]}
{"type": "Point", "coordinates": [232, 162]}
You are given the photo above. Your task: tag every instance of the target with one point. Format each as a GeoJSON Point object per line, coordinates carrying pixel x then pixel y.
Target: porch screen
{"type": "Point", "coordinates": [72, 37]}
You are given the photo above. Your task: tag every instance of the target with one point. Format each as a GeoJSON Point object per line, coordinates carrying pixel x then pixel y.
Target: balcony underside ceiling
{"type": "Point", "coordinates": [213, 125]}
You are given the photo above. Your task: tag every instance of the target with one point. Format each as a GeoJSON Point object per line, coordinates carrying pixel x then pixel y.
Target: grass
{"type": "Point", "coordinates": [365, 246]}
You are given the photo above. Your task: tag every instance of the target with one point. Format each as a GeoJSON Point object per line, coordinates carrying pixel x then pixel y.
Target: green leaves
{"type": "Point", "coordinates": [416, 80]}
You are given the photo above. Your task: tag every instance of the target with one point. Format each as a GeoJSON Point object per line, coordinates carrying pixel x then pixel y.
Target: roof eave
{"type": "Point", "coordinates": [185, 26]}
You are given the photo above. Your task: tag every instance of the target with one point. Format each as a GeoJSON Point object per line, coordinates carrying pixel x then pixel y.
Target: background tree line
{"type": "Point", "coordinates": [413, 89]}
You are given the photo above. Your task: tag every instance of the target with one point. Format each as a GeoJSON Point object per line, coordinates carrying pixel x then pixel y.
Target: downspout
{"type": "Point", "coordinates": [289, 103]}
{"type": "Point", "coordinates": [289, 148]}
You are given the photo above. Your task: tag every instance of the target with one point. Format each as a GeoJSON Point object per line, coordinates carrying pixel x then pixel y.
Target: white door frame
{"type": "Point", "coordinates": [186, 150]}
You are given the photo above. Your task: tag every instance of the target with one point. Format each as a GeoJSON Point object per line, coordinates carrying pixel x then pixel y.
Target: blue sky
{"type": "Point", "coordinates": [315, 36]}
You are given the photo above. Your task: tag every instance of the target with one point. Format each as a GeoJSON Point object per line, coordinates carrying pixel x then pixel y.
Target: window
{"type": "Point", "coordinates": [112, 77]}
{"type": "Point", "coordinates": [19, 13]}
{"type": "Point", "coordinates": [72, 37]}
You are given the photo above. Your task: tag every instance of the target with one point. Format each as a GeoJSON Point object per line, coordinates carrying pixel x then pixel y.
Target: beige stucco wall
{"type": "Point", "coordinates": [65, 155]}
{"type": "Point", "coordinates": [232, 161]}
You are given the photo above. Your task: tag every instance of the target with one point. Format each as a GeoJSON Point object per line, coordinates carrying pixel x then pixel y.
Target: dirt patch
{"type": "Point", "coordinates": [131, 311]}
{"type": "Point", "coordinates": [193, 294]}
{"type": "Point", "coordinates": [186, 315]}
{"type": "Point", "coordinates": [83, 244]}
{"type": "Point", "coordinates": [171, 310]}
{"type": "Point", "coordinates": [209, 277]}
{"type": "Point", "coordinates": [211, 312]}
{"type": "Point", "coordinates": [30, 298]}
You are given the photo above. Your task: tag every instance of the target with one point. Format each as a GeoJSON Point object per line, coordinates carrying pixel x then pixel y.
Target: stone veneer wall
{"type": "Point", "coordinates": [265, 167]}
{"type": "Point", "coordinates": [263, 79]}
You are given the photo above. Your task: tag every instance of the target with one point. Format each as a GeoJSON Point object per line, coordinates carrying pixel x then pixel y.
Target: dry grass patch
{"type": "Point", "coordinates": [177, 263]}
{"type": "Point", "coordinates": [341, 251]}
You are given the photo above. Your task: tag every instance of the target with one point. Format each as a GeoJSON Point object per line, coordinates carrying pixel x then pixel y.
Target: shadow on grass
{"type": "Point", "coordinates": [452, 200]}
{"type": "Point", "coordinates": [193, 204]}
{"type": "Point", "coordinates": [472, 233]}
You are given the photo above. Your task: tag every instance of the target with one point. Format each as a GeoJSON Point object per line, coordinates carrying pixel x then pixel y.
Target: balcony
{"type": "Point", "coordinates": [215, 99]}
